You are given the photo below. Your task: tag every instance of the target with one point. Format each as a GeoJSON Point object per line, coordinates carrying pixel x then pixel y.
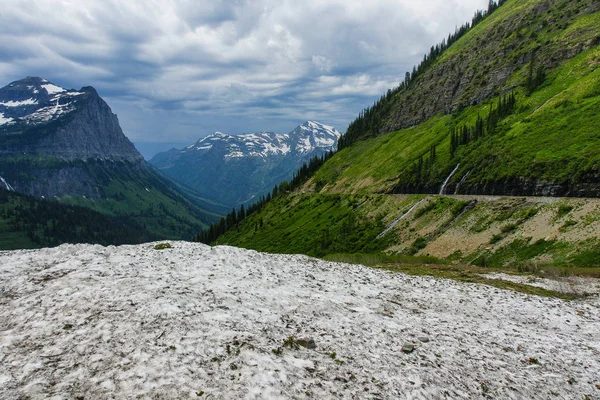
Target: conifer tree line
{"type": "Point", "coordinates": [49, 223]}
{"type": "Point", "coordinates": [368, 121]}
{"type": "Point", "coordinates": [233, 218]}
{"type": "Point", "coordinates": [536, 75]}
{"type": "Point", "coordinates": [421, 168]}
{"type": "Point", "coordinates": [467, 133]}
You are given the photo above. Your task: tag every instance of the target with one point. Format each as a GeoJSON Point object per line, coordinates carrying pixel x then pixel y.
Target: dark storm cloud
{"type": "Point", "coordinates": [176, 70]}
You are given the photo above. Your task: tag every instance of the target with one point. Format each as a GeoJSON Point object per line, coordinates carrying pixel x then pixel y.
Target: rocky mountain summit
{"type": "Point", "coordinates": [233, 169]}
{"type": "Point", "coordinates": [68, 145]}
{"type": "Point", "coordinates": [39, 117]}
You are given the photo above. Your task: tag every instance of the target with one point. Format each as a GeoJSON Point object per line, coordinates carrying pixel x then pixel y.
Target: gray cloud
{"type": "Point", "coordinates": [176, 70]}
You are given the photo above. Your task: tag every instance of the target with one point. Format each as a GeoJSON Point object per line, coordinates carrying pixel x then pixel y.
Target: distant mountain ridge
{"type": "Point", "coordinates": [68, 145]}
{"type": "Point", "coordinates": [233, 169]}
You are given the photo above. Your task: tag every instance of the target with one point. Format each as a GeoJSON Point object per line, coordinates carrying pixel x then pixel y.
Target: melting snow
{"type": "Point", "coordinates": [304, 145]}
{"type": "Point", "coordinates": [53, 89]}
{"type": "Point", "coordinates": [134, 322]}
{"type": "Point", "coordinates": [12, 103]}
{"type": "Point", "coordinates": [4, 120]}
{"type": "Point", "coordinates": [47, 113]}
{"type": "Point", "coordinates": [6, 184]}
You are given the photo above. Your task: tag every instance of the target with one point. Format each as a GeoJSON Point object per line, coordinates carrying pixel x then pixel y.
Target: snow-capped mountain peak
{"type": "Point", "coordinates": [232, 169]}
{"type": "Point", "coordinates": [309, 137]}
{"type": "Point", "coordinates": [313, 135]}
{"type": "Point", "coordinates": [35, 100]}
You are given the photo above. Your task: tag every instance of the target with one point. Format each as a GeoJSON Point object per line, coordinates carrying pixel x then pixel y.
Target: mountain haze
{"type": "Point", "coordinates": [235, 169]}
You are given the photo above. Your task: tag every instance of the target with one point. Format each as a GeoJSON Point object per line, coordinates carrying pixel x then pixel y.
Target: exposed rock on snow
{"type": "Point", "coordinates": [123, 322]}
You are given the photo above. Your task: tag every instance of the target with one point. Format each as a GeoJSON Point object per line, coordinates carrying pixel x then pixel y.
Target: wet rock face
{"type": "Point", "coordinates": [513, 187]}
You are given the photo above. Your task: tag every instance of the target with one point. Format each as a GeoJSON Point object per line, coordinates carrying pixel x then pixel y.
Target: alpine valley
{"type": "Point", "coordinates": [67, 146]}
{"type": "Point", "coordinates": [470, 194]}
{"type": "Point", "coordinates": [237, 169]}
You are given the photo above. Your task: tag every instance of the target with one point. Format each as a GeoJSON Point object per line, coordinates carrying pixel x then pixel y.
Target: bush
{"type": "Point", "coordinates": [162, 246]}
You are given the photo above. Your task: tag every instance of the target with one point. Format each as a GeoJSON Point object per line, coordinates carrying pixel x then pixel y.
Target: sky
{"type": "Point", "coordinates": [177, 70]}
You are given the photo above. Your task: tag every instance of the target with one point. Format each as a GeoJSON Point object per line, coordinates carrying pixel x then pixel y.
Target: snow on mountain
{"type": "Point", "coordinates": [4, 120]}
{"type": "Point", "coordinates": [7, 185]}
{"type": "Point", "coordinates": [35, 100]}
{"type": "Point", "coordinates": [84, 321]}
{"type": "Point", "coordinates": [235, 169]}
{"type": "Point", "coordinates": [306, 138]}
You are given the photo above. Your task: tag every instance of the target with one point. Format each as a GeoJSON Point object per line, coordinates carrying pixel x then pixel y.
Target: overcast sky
{"type": "Point", "coordinates": [176, 70]}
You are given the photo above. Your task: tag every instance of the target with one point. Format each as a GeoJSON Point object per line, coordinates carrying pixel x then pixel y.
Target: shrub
{"type": "Point", "coordinates": [162, 246]}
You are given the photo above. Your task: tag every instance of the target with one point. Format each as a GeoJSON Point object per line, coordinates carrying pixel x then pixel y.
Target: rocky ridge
{"type": "Point", "coordinates": [233, 169]}
{"type": "Point", "coordinates": [40, 118]}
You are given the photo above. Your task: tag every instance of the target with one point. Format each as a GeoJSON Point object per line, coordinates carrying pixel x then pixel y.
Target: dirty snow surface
{"type": "Point", "coordinates": [92, 322]}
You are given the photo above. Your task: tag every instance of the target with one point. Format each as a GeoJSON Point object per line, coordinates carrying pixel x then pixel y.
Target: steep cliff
{"type": "Point", "coordinates": [68, 145]}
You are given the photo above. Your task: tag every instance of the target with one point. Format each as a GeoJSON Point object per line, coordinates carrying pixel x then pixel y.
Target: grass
{"type": "Point", "coordinates": [312, 224]}
{"type": "Point", "coordinates": [552, 136]}
{"type": "Point", "coordinates": [473, 275]}
{"type": "Point", "coordinates": [382, 259]}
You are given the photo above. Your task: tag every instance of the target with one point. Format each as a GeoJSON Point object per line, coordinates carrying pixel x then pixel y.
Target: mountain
{"type": "Point", "coordinates": [507, 106]}
{"type": "Point", "coordinates": [67, 145]}
{"type": "Point", "coordinates": [236, 169]}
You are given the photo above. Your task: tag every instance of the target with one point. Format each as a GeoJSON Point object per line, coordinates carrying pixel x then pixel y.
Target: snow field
{"type": "Point", "coordinates": [198, 322]}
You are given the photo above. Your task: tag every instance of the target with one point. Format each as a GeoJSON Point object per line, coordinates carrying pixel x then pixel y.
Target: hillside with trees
{"type": "Point", "coordinates": [509, 108]}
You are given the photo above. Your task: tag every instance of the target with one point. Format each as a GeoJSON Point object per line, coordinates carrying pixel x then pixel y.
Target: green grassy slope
{"type": "Point", "coordinates": [548, 143]}
{"type": "Point", "coordinates": [490, 59]}
{"type": "Point", "coordinates": [551, 136]}
{"type": "Point", "coordinates": [528, 234]}
{"type": "Point", "coordinates": [146, 199]}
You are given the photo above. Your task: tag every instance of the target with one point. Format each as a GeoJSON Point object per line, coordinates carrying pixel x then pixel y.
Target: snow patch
{"type": "Point", "coordinates": [53, 89]}
{"type": "Point", "coordinates": [4, 120]}
{"type": "Point", "coordinates": [6, 184]}
{"type": "Point", "coordinates": [235, 154]}
{"type": "Point", "coordinates": [48, 113]}
{"type": "Point", "coordinates": [12, 103]}
{"type": "Point", "coordinates": [135, 322]}
{"type": "Point", "coordinates": [304, 145]}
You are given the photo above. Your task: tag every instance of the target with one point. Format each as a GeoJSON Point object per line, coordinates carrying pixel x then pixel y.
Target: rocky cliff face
{"type": "Point", "coordinates": [40, 118]}
{"type": "Point", "coordinates": [56, 142]}
{"type": "Point", "coordinates": [67, 144]}
{"type": "Point", "coordinates": [233, 169]}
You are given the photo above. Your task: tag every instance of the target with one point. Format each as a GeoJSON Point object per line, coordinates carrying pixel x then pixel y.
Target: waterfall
{"type": "Point", "coordinates": [393, 224]}
{"type": "Point", "coordinates": [443, 188]}
{"type": "Point", "coordinates": [464, 178]}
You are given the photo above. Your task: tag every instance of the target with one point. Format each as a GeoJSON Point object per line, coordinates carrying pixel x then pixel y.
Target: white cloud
{"type": "Point", "coordinates": [323, 59]}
